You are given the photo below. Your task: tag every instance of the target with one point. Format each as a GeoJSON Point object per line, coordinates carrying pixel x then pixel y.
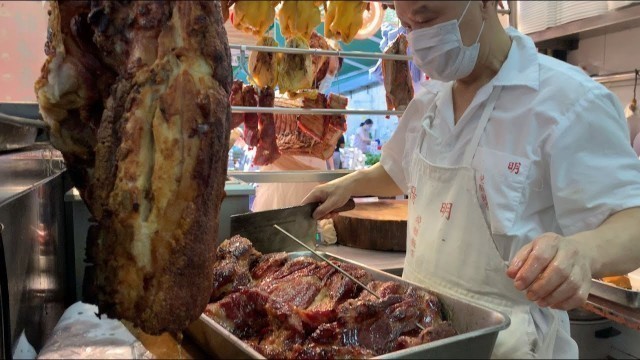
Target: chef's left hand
{"type": "Point", "coordinates": [553, 271]}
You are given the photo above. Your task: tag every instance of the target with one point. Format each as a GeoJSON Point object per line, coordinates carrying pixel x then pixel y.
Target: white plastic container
{"type": "Point", "coordinates": [613, 5]}
{"type": "Point", "coordinates": [568, 11]}
{"type": "Point", "coordinates": [535, 15]}
{"type": "Point", "coordinates": [634, 279]}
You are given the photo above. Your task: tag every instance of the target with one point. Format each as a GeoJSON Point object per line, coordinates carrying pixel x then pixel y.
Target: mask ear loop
{"type": "Point", "coordinates": [480, 33]}
{"type": "Point", "coordinates": [464, 12]}
{"type": "Point", "coordinates": [634, 102]}
{"type": "Point", "coordinates": [462, 16]}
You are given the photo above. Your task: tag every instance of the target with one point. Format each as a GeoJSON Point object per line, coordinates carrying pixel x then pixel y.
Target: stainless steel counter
{"type": "Point", "coordinates": [388, 261]}
{"type": "Point", "coordinates": [22, 171]}
{"type": "Point", "coordinates": [33, 252]}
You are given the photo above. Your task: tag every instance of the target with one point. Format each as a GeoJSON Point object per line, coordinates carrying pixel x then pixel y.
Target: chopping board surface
{"type": "Point", "coordinates": [379, 225]}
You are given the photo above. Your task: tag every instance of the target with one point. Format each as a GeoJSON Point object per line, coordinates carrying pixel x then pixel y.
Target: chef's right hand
{"type": "Point", "coordinates": [331, 196]}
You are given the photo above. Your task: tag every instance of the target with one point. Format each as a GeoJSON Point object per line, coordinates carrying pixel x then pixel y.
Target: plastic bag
{"type": "Point", "coordinates": [80, 334]}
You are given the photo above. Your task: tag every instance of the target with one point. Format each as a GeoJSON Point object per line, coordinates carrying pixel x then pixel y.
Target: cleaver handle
{"type": "Point", "coordinates": [350, 205]}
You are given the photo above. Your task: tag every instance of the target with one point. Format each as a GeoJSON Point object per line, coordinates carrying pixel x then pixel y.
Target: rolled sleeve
{"type": "Point", "coordinates": [594, 171]}
{"type": "Point", "coordinates": [396, 154]}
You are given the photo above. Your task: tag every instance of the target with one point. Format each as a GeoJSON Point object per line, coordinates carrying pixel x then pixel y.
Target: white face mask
{"type": "Point", "coordinates": [439, 52]}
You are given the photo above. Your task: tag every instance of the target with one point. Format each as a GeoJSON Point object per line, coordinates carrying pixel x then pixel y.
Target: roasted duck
{"type": "Point", "coordinates": [263, 66]}
{"type": "Point", "coordinates": [295, 71]}
{"type": "Point", "coordinates": [343, 19]}
{"type": "Point", "coordinates": [253, 17]}
{"type": "Point", "coordinates": [299, 17]}
{"type": "Point", "coordinates": [305, 309]}
{"type": "Point", "coordinates": [136, 97]}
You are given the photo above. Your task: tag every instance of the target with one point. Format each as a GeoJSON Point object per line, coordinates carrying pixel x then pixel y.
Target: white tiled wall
{"type": "Point", "coordinates": [611, 53]}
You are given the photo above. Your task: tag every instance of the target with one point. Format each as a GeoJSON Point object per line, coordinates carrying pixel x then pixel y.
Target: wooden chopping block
{"type": "Point", "coordinates": [380, 225]}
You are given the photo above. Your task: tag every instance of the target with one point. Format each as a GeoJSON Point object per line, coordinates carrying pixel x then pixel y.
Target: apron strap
{"type": "Point", "coordinates": [475, 140]}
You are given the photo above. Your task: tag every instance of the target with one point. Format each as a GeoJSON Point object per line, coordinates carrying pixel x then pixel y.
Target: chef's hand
{"type": "Point", "coordinates": [330, 196]}
{"type": "Point", "coordinates": [553, 271]}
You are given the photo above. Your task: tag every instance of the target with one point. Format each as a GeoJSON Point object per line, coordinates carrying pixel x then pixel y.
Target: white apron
{"type": "Point", "coordinates": [450, 248]}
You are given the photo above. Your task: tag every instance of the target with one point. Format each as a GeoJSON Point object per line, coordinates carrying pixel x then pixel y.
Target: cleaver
{"type": "Point", "coordinates": [297, 220]}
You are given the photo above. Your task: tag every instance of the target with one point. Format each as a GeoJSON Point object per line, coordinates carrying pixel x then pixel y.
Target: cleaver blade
{"type": "Point", "coordinates": [297, 220]}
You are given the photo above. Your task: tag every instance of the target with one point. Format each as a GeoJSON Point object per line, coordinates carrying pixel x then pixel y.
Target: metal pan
{"type": "Point", "coordinates": [616, 294]}
{"type": "Point", "coordinates": [14, 134]}
{"type": "Point", "coordinates": [478, 328]}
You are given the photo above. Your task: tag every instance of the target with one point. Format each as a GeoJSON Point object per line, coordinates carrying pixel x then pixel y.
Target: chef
{"type": "Point", "coordinates": [522, 185]}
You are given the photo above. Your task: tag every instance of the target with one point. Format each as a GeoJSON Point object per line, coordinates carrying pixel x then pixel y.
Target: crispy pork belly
{"type": "Point", "coordinates": [136, 96]}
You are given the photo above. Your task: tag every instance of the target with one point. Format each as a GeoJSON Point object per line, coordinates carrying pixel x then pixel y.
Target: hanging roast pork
{"type": "Point", "coordinates": [136, 97]}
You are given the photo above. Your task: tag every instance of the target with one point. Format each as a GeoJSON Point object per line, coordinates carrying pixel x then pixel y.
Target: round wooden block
{"type": "Point", "coordinates": [380, 225]}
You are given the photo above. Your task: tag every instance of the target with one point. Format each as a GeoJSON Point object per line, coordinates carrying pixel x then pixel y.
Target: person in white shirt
{"type": "Point", "coordinates": [362, 139]}
{"type": "Point", "coordinates": [522, 185]}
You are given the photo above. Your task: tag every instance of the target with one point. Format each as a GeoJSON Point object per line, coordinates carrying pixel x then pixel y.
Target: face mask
{"type": "Point", "coordinates": [439, 52]}
{"type": "Point", "coordinates": [325, 83]}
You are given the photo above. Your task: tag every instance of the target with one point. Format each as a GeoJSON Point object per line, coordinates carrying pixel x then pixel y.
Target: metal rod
{"type": "Point", "coordinates": [344, 54]}
{"type": "Point", "coordinates": [290, 176]}
{"type": "Point", "coordinates": [19, 121]}
{"type": "Point", "coordinates": [303, 111]}
{"type": "Point", "coordinates": [390, 2]}
{"type": "Point", "coordinates": [334, 266]}
{"type": "Point", "coordinates": [625, 76]}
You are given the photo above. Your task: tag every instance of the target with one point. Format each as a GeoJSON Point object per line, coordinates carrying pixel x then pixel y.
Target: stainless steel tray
{"type": "Point", "coordinates": [16, 136]}
{"type": "Point", "coordinates": [616, 294]}
{"type": "Point", "coordinates": [478, 328]}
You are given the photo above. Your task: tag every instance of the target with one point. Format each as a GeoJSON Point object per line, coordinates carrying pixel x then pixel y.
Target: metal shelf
{"type": "Point", "coordinates": [23, 121]}
{"type": "Point", "coordinates": [625, 76]}
{"type": "Point", "coordinates": [305, 111]}
{"type": "Point", "coordinates": [343, 54]}
{"type": "Point", "coordinates": [560, 36]}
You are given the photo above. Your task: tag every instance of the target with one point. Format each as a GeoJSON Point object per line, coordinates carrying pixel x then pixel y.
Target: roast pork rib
{"type": "Point", "coordinates": [136, 97]}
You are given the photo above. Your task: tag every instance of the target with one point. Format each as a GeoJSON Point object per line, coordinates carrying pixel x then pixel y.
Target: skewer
{"type": "Point", "coordinates": [334, 266]}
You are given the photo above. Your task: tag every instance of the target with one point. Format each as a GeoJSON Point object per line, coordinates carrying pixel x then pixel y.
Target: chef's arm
{"type": "Point", "coordinates": [374, 181]}
{"type": "Point", "coordinates": [613, 246]}
{"type": "Point", "coordinates": [556, 271]}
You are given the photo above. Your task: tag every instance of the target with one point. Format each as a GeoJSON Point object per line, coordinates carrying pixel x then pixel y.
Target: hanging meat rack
{"type": "Point", "coordinates": [15, 120]}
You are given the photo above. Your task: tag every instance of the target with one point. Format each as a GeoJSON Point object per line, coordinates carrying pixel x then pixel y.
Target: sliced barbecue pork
{"type": "Point", "coordinates": [397, 76]}
{"type": "Point", "coordinates": [251, 120]}
{"type": "Point", "coordinates": [235, 99]}
{"type": "Point", "coordinates": [267, 151]}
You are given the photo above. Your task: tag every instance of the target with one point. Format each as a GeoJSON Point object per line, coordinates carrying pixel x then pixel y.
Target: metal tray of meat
{"type": "Point", "coordinates": [478, 328]}
{"type": "Point", "coordinates": [625, 297]}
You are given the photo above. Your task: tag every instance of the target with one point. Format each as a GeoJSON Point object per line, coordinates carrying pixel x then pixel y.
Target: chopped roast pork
{"type": "Point", "coordinates": [304, 309]}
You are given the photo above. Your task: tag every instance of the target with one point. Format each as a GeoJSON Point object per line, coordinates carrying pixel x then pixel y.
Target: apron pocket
{"type": "Point", "coordinates": [500, 182]}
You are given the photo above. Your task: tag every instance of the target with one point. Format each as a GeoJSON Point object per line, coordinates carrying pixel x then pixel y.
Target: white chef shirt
{"type": "Point", "coordinates": [555, 155]}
